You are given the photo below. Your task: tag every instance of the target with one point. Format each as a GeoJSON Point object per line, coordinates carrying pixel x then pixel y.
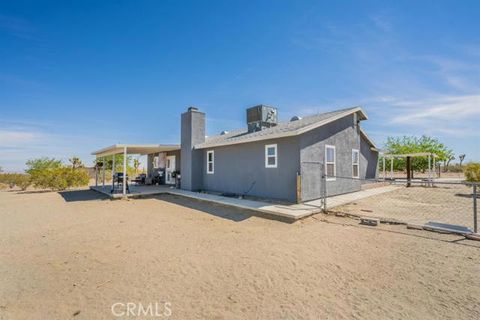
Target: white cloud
{"type": "Point", "coordinates": [444, 109]}
{"type": "Point", "coordinates": [14, 138]}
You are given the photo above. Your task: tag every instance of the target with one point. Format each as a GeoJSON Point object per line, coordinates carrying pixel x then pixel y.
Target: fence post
{"type": "Point", "coordinates": [475, 219]}
{"type": "Point", "coordinates": [299, 187]}
{"type": "Point", "coordinates": [324, 190]}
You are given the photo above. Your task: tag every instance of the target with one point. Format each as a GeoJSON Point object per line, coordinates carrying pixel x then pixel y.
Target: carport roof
{"type": "Point", "coordinates": [135, 149]}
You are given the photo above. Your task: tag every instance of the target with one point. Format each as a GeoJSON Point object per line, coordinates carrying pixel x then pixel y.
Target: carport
{"type": "Point", "coordinates": [126, 149]}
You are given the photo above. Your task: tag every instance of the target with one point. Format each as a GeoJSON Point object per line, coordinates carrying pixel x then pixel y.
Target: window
{"type": "Point", "coordinates": [355, 163]}
{"type": "Point", "coordinates": [271, 156]}
{"type": "Point", "coordinates": [330, 166]}
{"type": "Point", "coordinates": [210, 162]}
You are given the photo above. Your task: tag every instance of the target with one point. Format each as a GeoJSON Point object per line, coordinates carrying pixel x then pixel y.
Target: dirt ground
{"type": "Point", "coordinates": [73, 255]}
{"type": "Point", "coordinates": [445, 203]}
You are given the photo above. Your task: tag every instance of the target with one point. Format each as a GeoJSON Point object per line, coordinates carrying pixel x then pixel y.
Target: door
{"type": "Point", "coordinates": [169, 169]}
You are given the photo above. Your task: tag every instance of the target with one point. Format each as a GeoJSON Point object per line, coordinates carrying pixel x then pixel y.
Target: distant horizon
{"type": "Point", "coordinates": [76, 77]}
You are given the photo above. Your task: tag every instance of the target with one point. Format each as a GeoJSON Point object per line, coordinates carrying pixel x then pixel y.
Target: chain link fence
{"type": "Point", "coordinates": [412, 202]}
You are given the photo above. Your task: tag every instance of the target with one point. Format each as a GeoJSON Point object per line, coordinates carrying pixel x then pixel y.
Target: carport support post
{"type": "Point", "coordinates": [124, 184]}
{"type": "Point", "coordinates": [103, 171]}
{"type": "Point", "coordinates": [96, 172]}
{"type": "Point", "coordinates": [113, 172]}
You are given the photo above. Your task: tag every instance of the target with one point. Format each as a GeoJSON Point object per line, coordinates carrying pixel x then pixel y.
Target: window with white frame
{"type": "Point", "coordinates": [355, 163]}
{"type": "Point", "coordinates": [271, 156]}
{"type": "Point", "coordinates": [210, 161]}
{"type": "Point", "coordinates": [330, 162]}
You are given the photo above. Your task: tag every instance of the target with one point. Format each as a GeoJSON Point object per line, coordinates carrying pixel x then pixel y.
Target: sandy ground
{"type": "Point", "coordinates": [446, 203]}
{"type": "Point", "coordinates": [72, 255]}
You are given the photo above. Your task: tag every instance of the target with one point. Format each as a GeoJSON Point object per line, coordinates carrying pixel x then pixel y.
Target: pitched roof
{"type": "Point", "coordinates": [367, 138]}
{"type": "Point", "coordinates": [282, 129]}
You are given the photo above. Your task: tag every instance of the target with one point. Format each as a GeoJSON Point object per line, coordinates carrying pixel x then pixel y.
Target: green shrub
{"type": "Point", "coordinates": [472, 172]}
{"type": "Point", "coordinates": [59, 178]}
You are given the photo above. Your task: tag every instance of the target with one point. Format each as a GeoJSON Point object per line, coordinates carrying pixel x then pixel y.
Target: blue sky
{"type": "Point", "coordinates": [76, 76]}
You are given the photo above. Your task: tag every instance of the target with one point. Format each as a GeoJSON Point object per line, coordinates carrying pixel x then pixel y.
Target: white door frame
{"type": "Point", "coordinates": [169, 169]}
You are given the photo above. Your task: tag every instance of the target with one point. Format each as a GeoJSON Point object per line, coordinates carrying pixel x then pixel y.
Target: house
{"type": "Point", "coordinates": [269, 159]}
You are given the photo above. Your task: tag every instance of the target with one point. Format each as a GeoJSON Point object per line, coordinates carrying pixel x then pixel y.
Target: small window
{"type": "Point", "coordinates": [330, 162]}
{"type": "Point", "coordinates": [271, 156]}
{"type": "Point", "coordinates": [210, 162]}
{"type": "Point", "coordinates": [355, 163]}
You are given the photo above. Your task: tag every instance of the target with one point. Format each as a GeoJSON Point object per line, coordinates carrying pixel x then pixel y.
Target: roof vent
{"type": "Point", "coordinates": [192, 109]}
{"type": "Point", "coordinates": [224, 132]}
{"type": "Point", "coordinates": [295, 118]}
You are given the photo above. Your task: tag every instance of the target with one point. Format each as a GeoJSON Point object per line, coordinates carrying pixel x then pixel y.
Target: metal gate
{"type": "Point", "coordinates": [313, 182]}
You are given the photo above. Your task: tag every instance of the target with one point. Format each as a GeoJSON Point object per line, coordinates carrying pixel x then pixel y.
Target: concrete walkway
{"type": "Point", "coordinates": [289, 211]}
{"type": "Point", "coordinates": [342, 199]}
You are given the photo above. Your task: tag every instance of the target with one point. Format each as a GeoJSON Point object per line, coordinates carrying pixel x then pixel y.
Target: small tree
{"type": "Point", "coordinates": [42, 164]}
{"type": "Point", "coordinates": [411, 144]}
{"type": "Point", "coordinates": [461, 158]}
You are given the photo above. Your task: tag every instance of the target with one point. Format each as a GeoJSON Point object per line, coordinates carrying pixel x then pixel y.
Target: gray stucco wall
{"type": "Point", "coordinates": [345, 136]}
{"type": "Point", "coordinates": [242, 166]}
{"type": "Point", "coordinates": [368, 160]}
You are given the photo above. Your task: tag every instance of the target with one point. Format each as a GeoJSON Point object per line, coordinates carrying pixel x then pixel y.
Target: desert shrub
{"type": "Point", "coordinates": [472, 172]}
{"type": "Point", "coordinates": [76, 177]}
{"type": "Point", "coordinates": [15, 179]}
{"type": "Point", "coordinates": [23, 181]}
{"type": "Point", "coordinates": [59, 178]}
{"type": "Point", "coordinates": [455, 168]}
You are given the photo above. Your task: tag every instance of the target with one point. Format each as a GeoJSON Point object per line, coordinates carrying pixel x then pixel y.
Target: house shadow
{"type": "Point", "coordinates": [82, 195]}
{"type": "Point", "coordinates": [217, 210]}
{"type": "Point", "coordinates": [32, 191]}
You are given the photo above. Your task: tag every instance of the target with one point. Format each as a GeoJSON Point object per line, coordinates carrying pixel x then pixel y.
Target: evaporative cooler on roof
{"type": "Point", "coordinates": [261, 117]}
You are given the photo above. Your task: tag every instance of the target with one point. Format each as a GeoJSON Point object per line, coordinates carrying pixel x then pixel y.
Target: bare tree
{"type": "Point", "coordinates": [461, 158]}
{"type": "Point", "coordinates": [450, 159]}
{"type": "Point", "coordinates": [136, 164]}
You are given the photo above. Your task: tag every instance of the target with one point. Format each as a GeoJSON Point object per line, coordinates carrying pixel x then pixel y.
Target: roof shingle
{"type": "Point", "coordinates": [285, 128]}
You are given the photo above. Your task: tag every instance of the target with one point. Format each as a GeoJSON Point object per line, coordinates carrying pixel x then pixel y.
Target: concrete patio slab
{"type": "Point", "coordinates": [293, 211]}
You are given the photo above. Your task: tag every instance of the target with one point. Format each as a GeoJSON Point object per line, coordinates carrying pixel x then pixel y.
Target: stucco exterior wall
{"type": "Point", "coordinates": [368, 161]}
{"type": "Point", "coordinates": [151, 172]}
{"type": "Point", "coordinates": [241, 169]}
{"type": "Point", "coordinates": [345, 136]}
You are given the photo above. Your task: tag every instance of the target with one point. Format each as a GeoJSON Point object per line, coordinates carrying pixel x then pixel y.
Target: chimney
{"type": "Point", "coordinates": [191, 160]}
